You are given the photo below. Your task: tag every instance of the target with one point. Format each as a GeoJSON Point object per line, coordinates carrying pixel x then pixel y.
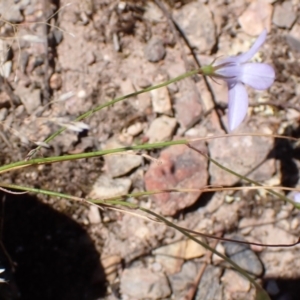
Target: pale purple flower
{"type": "Point", "coordinates": [237, 71]}
{"type": "Point", "coordinates": [296, 197]}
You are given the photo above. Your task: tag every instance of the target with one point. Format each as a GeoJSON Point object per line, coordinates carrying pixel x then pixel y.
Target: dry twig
{"type": "Point", "coordinates": [176, 29]}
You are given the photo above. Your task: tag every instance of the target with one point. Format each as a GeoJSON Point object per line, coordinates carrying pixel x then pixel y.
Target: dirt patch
{"type": "Point", "coordinates": [95, 50]}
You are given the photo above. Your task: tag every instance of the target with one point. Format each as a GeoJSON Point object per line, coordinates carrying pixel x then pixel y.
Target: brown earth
{"type": "Point", "coordinates": [60, 59]}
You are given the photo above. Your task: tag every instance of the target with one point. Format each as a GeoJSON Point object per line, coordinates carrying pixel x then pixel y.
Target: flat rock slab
{"type": "Point", "coordinates": [187, 106]}
{"type": "Point", "coordinates": [210, 286]}
{"type": "Point", "coordinates": [120, 164]}
{"type": "Point", "coordinates": [161, 129]}
{"type": "Point", "coordinates": [284, 15]}
{"type": "Point", "coordinates": [243, 256]}
{"type": "Point", "coordinates": [141, 283]}
{"type": "Point", "coordinates": [245, 155]}
{"type": "Point", "coordinates": [179, 167]}
{"type": "Point", "coordinates": [106, 187]}
{"type": "Point", "coordinates": [182, 280]}
{"type": "Point", "coordinates": [31, 98]}
{"type": "Point", "coordinates": [285, 263]}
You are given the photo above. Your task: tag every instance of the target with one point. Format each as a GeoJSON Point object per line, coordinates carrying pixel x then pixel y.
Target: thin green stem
{"type": "Point", "coordinates": [282, 197]}
{"type": "Point", "coordinates": [65, 196]}
{"type": "Point", "coordinates": [90, 112]}
{"type": "Point", "coordinates": [53, 159]}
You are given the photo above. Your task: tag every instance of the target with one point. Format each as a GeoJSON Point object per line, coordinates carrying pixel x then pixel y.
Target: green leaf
{"type": "Point", "coordinates": [261, 294]}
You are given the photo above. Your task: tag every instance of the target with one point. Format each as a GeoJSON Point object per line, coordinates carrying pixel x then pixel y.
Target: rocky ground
{"type": "Point", "coordinates": [94, 50]}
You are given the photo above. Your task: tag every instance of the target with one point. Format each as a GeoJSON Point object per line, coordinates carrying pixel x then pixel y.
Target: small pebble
{"type": "Point", "coordinates": [284, 15]}
{"type": "Point", "coordinates": [90, 58]}
{"type": "Point", "coordinates": [135, 129]}
{"type": "Point", "coordinates": [155, 50]}
{"type": "Point", "coordinates": [55, 81]}
{"type": "Point", "coordinates": [156, 267]}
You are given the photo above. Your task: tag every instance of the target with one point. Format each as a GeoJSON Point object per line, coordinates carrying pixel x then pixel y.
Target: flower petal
{"type": "Point", "coordinates": [296, 197]}
{"type": "Point", "coordinates": [237, 105]}
{"type": "Point", "coordinates": [255, 47]}
{"type": "Point", "coordinates": [231, 73]}
{"type": "Point", "coordinates": [258, 75]}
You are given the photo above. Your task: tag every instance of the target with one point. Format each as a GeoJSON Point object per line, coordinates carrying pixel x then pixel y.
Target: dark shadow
{"type": "Point", "coordinates": [280, 289]}
{"type": "Point", "coordinates": [53, 256]}
{"type": "Point", "coordinates": [201, 202]}
{"type": "Point", "coordinates": [285, 151]}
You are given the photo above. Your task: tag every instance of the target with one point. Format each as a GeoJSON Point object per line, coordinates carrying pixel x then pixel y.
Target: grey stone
{"type": "Point", "coordinates": [195, 19]}
{"type": "Point", "coordinates": [248, 261]}
{"type": "Point", "coordinates": [31, 98]}
{"type": "Point", "coordinates": [210, 287]}
{"type": "Point", "coordinates": [293, 38]}
{"type": "Point", "coordinates": [243, 256]}
{"type": "Point", "coordinates": [181, 281]}
{"type": "Point", "coordinates": [284, 15]}
{"type": "Point", "coordinates": [141, 283]}
{"type": "Point", "coordinates": [24, 58]}
{"type": "Point", "coordinates": [188, 108]}
{"type": "Point", "coordinates": [107, 187]}
{"type": "Point", "coordinates": [153, 13]}
{"type": "Point", "coordinates": [233, 248]}
{"type": "Point", "coordinates": [10, 11]}
{"type": "Point", "coordinates": [161, 129]}
{"type": "Point", "coordinates": [65, 142]}
{"type": "Point", "coordinates": [293, 43]}
{"type": "Point", "coordinates": [155, 50]}
{"type": "Point", "coordinates": [58, 36]}
{"type": "Point", "coordinates": [120, 164]}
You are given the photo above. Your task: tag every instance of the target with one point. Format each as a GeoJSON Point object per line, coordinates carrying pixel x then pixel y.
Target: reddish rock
{"type": "Point", "coordinates": [180, 167]}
